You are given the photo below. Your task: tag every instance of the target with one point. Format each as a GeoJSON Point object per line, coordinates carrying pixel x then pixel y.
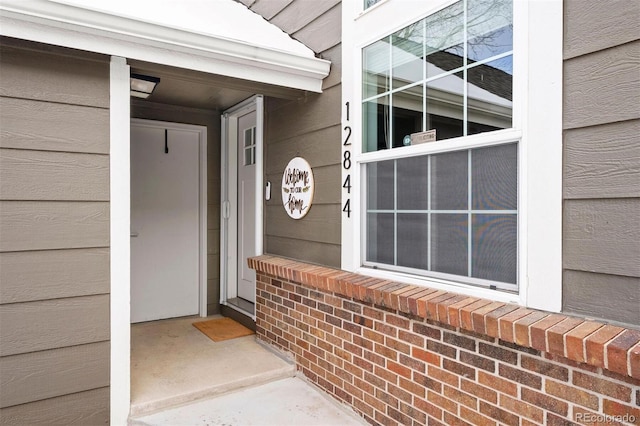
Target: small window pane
{"type": "Point", "coordinates": [407, 53]}
{"type": "Point", "coordinates": [380, 185]}
{"type": "Point", "coordinates": [380, 238]}
{"type": "Point", "coordinates": [407, 115]}
{"type": "Point", "coordinates": [375, 124]}
{"type": "Point", "coordinates": [445, 40]}
{"type": "Point", "coordinates": [449, 181]}
{"type": "Point", "coordinates": [495, 242]}
{"type": "Point", "coordinates": [445, 106]}
{"type": "Point", "coordinates": [495, 178]}
{"type": "Point", "coordinates": [413, 183]}
{"type": "Point", "coordinates": [413, 237]}
{"type": "Point", "coordinates": [490, 28]}
{"type": "Point", "coordinates": [449, 243]}
{"type": "Point", "coordinates": [490, 96]}
{"type": "Point", "coordinates": [375, 76]}
{"type": "Point", "coordinates": [248, 137]}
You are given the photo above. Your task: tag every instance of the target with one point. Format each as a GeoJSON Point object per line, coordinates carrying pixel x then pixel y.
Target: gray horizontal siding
{"type": "Point", "coordinates": [308, 127]}
{"type": "Point", "coordinates": [54, 227]}
{"type": "Point", "coordinates": [50, 274]}
{"type": "Point", "coordinates": [603, 161]}
{"type": "Point", "coordinates": [45, 374]}
{"type": "Point", "coordinates": [82, 409]}
{"type": "Point", "coordinates": [592, 25]}
{"type": "Point", "coordinates": [602, 87]}
{"type": "Point", "coordinates": [601, 186]}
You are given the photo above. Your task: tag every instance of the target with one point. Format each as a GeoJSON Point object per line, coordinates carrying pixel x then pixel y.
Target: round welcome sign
{"type": "Point", "coordinates": [297, 188]}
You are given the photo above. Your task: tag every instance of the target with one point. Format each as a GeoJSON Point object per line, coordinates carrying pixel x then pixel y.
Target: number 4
{"type": "Point", "coordinates": [347, 184]}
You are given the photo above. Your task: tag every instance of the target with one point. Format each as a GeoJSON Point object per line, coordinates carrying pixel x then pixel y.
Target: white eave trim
{"type": "Point", "coordinates": [95, 31]}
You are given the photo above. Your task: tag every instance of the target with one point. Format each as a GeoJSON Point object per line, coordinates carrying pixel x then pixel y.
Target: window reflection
{"type": "Point", "coordinates": [441, 73]}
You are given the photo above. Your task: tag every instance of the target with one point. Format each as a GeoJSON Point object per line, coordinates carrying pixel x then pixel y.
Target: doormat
{"type": "Point", "coordinates": [221, 329]}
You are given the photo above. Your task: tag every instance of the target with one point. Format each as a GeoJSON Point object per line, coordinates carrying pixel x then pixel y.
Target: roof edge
{"type": "Point", "coordinates": [76, 27]}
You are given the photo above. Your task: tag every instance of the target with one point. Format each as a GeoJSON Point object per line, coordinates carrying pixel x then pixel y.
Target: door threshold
{"type": "Point", "coordinates": [241, 311]}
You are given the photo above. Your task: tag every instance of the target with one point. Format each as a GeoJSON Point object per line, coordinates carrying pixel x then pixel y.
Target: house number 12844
{"type": "Point", "coordinates": [346, 163]}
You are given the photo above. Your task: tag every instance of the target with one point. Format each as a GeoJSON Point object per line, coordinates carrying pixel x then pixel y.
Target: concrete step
{"type": "Point", "coordinates": [285, 402]}
{"type": "Point", "coordinates": [172, 364]}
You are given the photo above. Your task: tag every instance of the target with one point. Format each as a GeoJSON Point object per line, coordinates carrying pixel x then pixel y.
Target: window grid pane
{"type": "Point", "coordinates": [463, 59]}
{"type": "Point", "coordinates": [455, 236]}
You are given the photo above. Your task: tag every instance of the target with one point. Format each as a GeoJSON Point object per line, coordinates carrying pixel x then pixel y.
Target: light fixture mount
{"type": "Point", "coordinates": [142, 86]}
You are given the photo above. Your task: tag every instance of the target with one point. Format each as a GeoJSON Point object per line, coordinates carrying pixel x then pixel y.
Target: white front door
{"type": "Point", "coordinates": [165, 221]}
{"type": "Point", "coordinates": [246, 205]}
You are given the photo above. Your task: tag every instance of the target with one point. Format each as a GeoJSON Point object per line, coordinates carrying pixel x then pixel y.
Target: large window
{"type": "Point", "coordinates": [453, 214]}
{"type": "Point", "coordinates": [452, 146]}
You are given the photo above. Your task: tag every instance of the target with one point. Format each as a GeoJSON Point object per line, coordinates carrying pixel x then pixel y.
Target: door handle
{"type": "Point", "coordinates": [134, 234]}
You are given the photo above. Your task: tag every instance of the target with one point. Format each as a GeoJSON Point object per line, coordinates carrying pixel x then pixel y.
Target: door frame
{"type": "Point", "coordinates": [202, 198]}
{"type": "Point", "coordinates": [229, 200]}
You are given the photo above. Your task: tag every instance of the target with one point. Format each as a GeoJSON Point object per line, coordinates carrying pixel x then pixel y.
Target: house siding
{"type": "Point", "coordinates": [54, 235]}
{"type": "Point", "coordinates": [601, 184]}
{"type": "Point", "coordinates": [210, 119]}
{"type": "Point", "coordinates": [308, 126]}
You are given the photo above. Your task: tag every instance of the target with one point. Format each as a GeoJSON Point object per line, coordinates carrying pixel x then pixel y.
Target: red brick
{"type": "Point", "coordinates": [393, 297]}
{"type": "Point", "coordinates": [387, 398]}
{"type": "Point", "coordinates": [459, 369]}
{"type": "Point", "coordinates": [399, 369]}
{"type": "Point", "coordinates": [397, 321]}
{"type": "Point", "coordinates": [499, 414]}
{"type": "Point", "coordinates": [520, 376]}
{"type": "Point", "coordinates": [466, 320]}
{"type": "Point", "coordinates": [412, 386]}
{"type": "Point", "coordinates": [425, 330]}
{"type": "Point", "coordinates": [422, 302]}
{"type": "Point", "coordinates": [442, 402]}
{"type": "Point", "coordinates": [603, 386]}
{"type": "Point", "coordinates": [426, 356]}
{"type": "Point", "coordinates": [442, 349]}
{"type": "Point", "coordinates": [614, 408]}
{"type": "Point", "coordinates": [544, 401]}
{"type": "Point", "coordinates": [412, 338]}
{"type": "Point", "coordinates": [538, 331]}
{"type": "Point", "coordinates": [443, 307]}
{"type": "Point", "coordinates": [492, 318]}
{"type": "Point", "coordinates": [425, 382]}
{"type": "Point", "coordinates": [459, 341]}
{"type": "Point", "coordinates": [386, 329]}
{"type": "Point", "coordinates": [478, 361]}
{"type": "Point", "coordinates": [634, 363]}
{"type": "Point", "coordinates": [452, 420]}
{"type": "Point", "coordinates": [618, 348]}
{"type": "Point", "coordinates": [480, 391]}
{"type": "Point", "coordinates": [403, 299]}
{"type": "Point", "coordinates": [454, 310]}
{"type": "Point", "coordinates": [367, 289]}
{"type": "Point", "coordinates": [522, 408]}
{"type": "Point", "coordinates": [478, 317]}
{"type": "Point", "coordinates": [418, 416]}
{"type": "Point", "coordinates": [571, 394]}
{"type": "Point", "coordinates": [555, 334]}
{"type": "Point", "coordinates": [498, 353]}
{"type": "Point", "coordinates": [497, 383]}
{"type": "Point", "coordinates": [432, 305]}
{"type": "Point", "coordinates": [574, 340]}
{"type": "Point", "coordinates": [373, 336]}
{"type": "Point", "coordinates": [505, 323]}
{"type": "Point", "coordinates": [443, 376]}
{"type": "Point", "coordinates": [545, 368]}
{"type": "Point", "coordinates": [522, 327]}
{"type": "Point", "coordinates": [413, 300]}
{"type": "Point", "coordinates": [399, 393]}
{"type": "Point", "coordinates": [594, 344]}
{"type": "Point", "coordinates": [380, 292]}
{"type": "Point", "coordinates": [429, 408]}
{"type": "Point", "coordinates": [412, 363]}
{"type": "Point", "coordinates": [476, 418]}
{"type": "Point", "coordinates": [460, 397]}
{"type": "Point", "coordinates": [386, 374]}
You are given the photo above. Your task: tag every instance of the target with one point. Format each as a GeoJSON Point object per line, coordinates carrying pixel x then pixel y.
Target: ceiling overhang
{"type": "Point", "coordinates": [107, 32]}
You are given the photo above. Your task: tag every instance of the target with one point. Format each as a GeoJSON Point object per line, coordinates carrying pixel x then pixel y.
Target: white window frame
{"type": "Point", "coordinates": [537, 127]}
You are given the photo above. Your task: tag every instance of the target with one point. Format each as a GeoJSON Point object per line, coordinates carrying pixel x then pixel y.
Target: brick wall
{"type": "Point", "coordinates": [401, 354]}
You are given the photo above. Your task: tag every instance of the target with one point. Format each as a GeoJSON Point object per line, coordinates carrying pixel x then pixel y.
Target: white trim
{"type": "Point", "coordinates": [95, 31]}
{"type": "Point", "coordinates": [228, 179]}
{"type": "Point", "coordinates": [202, 199]}
{"type": "Point", "coordinates": [537, 121]}
{"type": "Point", "coordinates": [119, 207]}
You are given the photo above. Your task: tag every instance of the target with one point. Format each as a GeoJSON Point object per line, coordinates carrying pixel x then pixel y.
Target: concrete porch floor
{"type": "Point", "coordinates": [181, 377]}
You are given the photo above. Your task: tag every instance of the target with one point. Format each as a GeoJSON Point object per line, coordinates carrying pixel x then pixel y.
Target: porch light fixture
{"type": "Point", "coordinates": [142, 86]}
